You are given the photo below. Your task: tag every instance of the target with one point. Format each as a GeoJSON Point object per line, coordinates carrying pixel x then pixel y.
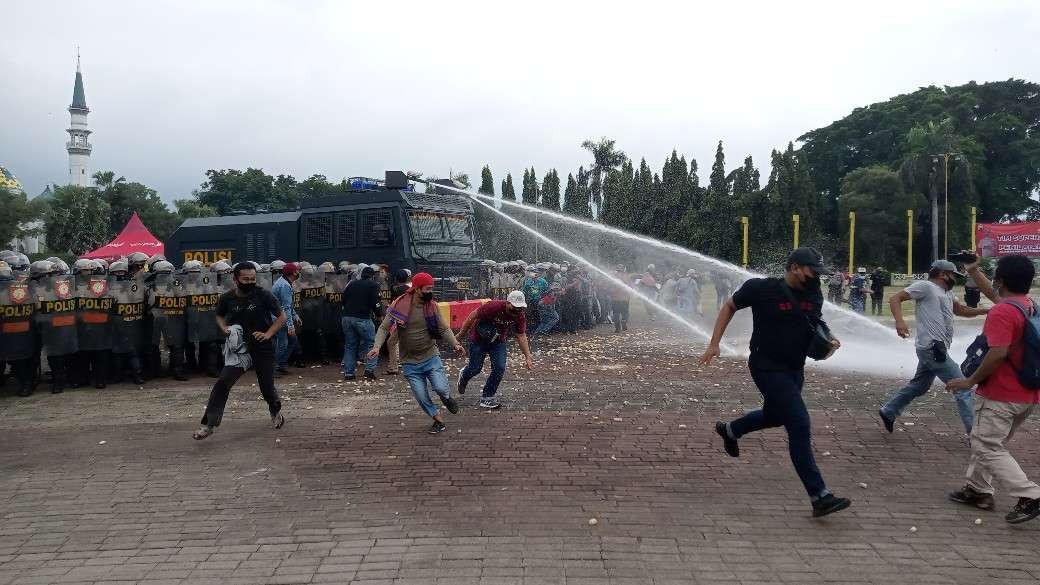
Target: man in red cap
{"type": "Point", "coordinates": [419, 325]}
{"type": "Point", "coordinates": [283, 293]}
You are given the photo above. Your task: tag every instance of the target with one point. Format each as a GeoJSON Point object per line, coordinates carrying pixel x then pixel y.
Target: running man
{"type": "Point", "coordinates": [251, 317]}
{"type": "Point", "coordinates": [780, 339]}
{"type": "Point", "coordinates": [419, 326]}
{"type": "Point", "coordinates": [491, 326]}
{"type": "Point", "coordinates": [934, 311]}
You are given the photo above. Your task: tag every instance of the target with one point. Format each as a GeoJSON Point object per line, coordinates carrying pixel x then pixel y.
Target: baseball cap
{"type": "Point", "coordinates": [946, 266]}
{"type": "Point", "coordinates": [809, 257]}
{"type": "Point", "coordinates": [516, 298]}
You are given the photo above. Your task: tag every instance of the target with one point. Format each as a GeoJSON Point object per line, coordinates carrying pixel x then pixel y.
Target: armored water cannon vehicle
{"type": "Point", "coordinates": [380, 219]}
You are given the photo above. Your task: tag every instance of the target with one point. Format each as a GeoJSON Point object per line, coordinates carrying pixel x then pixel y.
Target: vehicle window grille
{"type": "Point", "coordinates": [426, 226]}
{"type": "Point", "coordinates": [346, 229]}
{"type": "Point", "coordinates": [317, 232]}
{"type": "Point", "coordinates": [377, 228]}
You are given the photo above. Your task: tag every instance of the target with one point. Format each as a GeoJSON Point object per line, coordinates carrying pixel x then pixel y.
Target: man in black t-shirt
{"type": "Point", "coordinates": [260, 316]}
{"type": "Point", "coordinates": [779, 342]}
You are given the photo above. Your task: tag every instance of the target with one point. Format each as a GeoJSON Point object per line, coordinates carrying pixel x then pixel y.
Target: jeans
{"type": "Point", "coordinates": [477, 351]}
{"type": "Point", "coordinates": [431, 370]}
{"type": "Point", "coordinates": [281, 348]}
{"type": "Point", "coordinates": [358, 335]}
{"type": "Point", "coordinates": [263, 365]}
{"type": "Point", "coordinates": [927, 370]}
{"type": "Point", "coordinates": [620, 309]}
{"type": "Point", "coordinates": [782, 405]}
{"type": "Point", "coordinates": [547, 319]}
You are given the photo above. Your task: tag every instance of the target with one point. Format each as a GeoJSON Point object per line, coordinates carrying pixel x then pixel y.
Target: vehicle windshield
{"type": "Point", "coordinates": [441, 235]}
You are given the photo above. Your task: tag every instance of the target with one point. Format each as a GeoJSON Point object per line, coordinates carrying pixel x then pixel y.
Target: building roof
{"type": "Point", "coordinates": [79, 97]}
{"type": "Point", "coordinates": [8, 180]}
{"type": "Point", "coordinates": [242, 219]}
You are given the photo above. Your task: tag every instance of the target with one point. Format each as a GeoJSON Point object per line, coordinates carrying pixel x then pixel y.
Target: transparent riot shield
{"type": "Point", "coordinates": [169, 310]}
{"type": "Point", "coordinates": [56, 317]}
{"type": "Point", "coordinates": [203, 294]}
{"type": "Point", "coordinates": [94, 307]}
{"type": "Point", "coordinates": [128, 319]}
{"type": "Point", "coordinates": [17, 306]}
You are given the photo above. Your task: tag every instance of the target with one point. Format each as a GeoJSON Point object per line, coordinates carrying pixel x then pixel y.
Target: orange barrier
{"type": "Point", "coordinates": [456, 312]}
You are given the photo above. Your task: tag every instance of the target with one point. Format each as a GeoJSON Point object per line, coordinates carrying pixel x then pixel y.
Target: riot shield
{"type": "Point", "coordinates": [202, 305]}
{"type": "Point", "coordinates": [93, 312]}
{"type": "Point", "coordinates": [312, 300]}
{"type": "Point", "coordinates": [56, 316]}
{"type": "Point", "coordinates": [169, 308]}
{"type": "Point", "coordinates": [128, 324]}
{"type": "Point", "coordinates": [16, 315]}
{"type": "Point", "coordinates": [225, 282]}
{"type": "Point", "coordinates": [334, 285]}
{"type": "Point", "coordinates": [265, 280]}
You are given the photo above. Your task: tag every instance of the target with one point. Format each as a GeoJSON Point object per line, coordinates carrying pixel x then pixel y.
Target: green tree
{"type": "Point", "coordinates": [77, 220]}
{"type": "Point", "coordinates": [877, 196]}
{"type": "Point", "coordinates": [18, 215]}
{"type": "Point", "coordinates": [605, 157]}
{"type": "Point", "coordinates": [508, 193]}
{"type": "Point", "coordinates": [529, 193]}
{"type": "Point", "coordinates": [189, 208]}
{"type": "Point", "coordinates": [126, 198]}
{"type": "Point", "coordinates": [551, 191]}
{"type": "Point", "coordinates": [487, 182]}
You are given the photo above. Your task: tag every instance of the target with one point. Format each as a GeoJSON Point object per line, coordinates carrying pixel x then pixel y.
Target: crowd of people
{"type": "Point", "coordinates": [99, 323]}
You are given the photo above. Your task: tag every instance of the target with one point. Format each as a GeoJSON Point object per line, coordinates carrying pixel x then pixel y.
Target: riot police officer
{"type": "Point", "coordinates": [17, 343]}
{"type": "Point", "coordinates": [203, 331]}
{"type": "Point", "coordinates": [128, 329]}
{"type": "Point", "coordinates": [56, 319]}
{"type": "Point", "coordinates": [93, 326]}
{"type": "Point", "coordinates": [168, 301]}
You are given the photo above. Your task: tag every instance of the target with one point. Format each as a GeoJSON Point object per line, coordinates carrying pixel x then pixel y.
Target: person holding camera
{"type": "Point", "coordinates": [787, 327]}
{"type": "Point", "coordinates": [935, 306]}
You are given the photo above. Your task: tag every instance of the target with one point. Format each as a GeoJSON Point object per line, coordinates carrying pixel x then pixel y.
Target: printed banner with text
{"type": "Point", "coordinates": [1005, 239]}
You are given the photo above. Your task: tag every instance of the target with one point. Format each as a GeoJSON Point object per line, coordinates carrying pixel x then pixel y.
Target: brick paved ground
{"type": "Point", "coordinates": [617, 429]}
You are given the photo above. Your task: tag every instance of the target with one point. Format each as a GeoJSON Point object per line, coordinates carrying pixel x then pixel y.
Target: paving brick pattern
{"type": "Point", "coordinates": [618, 429]}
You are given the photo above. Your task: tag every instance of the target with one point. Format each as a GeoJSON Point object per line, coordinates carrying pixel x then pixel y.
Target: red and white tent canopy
{"type": "Point", "coordinates": [135, 237]}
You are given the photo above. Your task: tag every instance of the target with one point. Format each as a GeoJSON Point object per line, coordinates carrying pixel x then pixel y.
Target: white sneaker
{"type": "Point", "coordinates": [489, 403]}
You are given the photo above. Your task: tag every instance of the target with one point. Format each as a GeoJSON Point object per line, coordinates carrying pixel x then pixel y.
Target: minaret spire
{"type": "Point", "coordinates": [78, 146]}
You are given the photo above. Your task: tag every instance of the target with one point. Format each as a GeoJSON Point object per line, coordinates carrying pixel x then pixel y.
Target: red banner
{"type": "Point", "coordinates": [1005, 239]}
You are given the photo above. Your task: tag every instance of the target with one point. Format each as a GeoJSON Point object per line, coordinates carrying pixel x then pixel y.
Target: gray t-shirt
{"type": "Point", "coordinates": [934, 313]}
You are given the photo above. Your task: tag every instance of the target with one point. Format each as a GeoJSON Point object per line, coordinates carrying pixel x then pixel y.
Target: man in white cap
{"type": "Point", "coordinates": [489, 328]}
{"type": "Point", "coordinates": [934, 311]}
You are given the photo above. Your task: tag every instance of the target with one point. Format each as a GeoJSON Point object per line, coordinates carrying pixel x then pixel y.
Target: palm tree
{"type": "Point", "coordinates": [107, 179]}
{"type": "Point", "coordinates": [604, 159]}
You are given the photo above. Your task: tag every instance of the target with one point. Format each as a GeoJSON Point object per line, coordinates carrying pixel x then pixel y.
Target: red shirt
{"type": "Point", "coordinates": [1004, 327]}
{"type": "Point", "coordinates": [498, 313]}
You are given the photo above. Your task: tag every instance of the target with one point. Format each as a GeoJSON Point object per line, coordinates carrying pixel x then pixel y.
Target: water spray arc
{"type": "Point", "coordinates": [860, 319]}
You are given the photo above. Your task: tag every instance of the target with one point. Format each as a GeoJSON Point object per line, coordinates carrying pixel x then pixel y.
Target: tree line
{"type": "Point", "coordinates": [980, 143]}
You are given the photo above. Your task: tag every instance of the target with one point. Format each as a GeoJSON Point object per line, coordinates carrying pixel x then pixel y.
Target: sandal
{"type": "Point", "coordinates": [278, 420]}
{"type": "Point", "coordinates": [203, 432]}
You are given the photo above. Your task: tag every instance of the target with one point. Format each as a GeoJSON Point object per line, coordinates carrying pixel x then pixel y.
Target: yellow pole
{"type": "Point", "coordinates": [795, 218]}
{"type": "Point", "coordinates": [946, 205]}
{"type": "Point", "coordinates": [973, 217]}
{"type": "Point", "coordinates": [744, 228]}
{"type": "Point", "coordinates": [852, 241]}
{"type": "Point", "coordinates": [909, 241]}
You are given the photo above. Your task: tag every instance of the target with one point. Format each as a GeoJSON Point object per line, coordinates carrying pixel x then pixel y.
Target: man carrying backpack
{"type": "Point", "coordinates": [1007, 389]}
{"type": "Point", "coordinates": [935, 308]}
{"type": "Point", "coordinates": [492, 324]}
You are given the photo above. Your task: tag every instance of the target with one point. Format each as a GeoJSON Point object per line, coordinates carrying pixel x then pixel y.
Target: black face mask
{"type": "Point", "coordinates": [812, 283]}
{"type": "Point", "coordinates": [246, 287]}
{"type": "Point", "coordinates": [426, 297]}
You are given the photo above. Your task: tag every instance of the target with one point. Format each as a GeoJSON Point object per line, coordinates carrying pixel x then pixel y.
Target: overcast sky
{"type": "Point", "coordinates": [355, 88]}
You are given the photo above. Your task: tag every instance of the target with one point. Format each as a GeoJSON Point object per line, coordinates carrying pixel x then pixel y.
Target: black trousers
{"type": "Point", "coordinates": [90, 367]}
{"type": "Point", "coordinates": [59, 365]}
{"type": "Point", "coordinates": [620, 310]}
{"type": "Point", "coordinates": [876, 304]}
{"type": "Point", "coordinates": [123, 363]}
{"type": "Point", "coordinates": [263, 365]}
{"type": "Point", "coordinates": [23, 372]}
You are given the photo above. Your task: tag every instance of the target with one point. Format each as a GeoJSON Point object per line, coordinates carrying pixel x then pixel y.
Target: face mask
{"type": "Point", "coordinates": [426, 297]}
{"type": "Point", "coordinates": [246, 287]}
{"type": "Point", "coordinates": [812, 283]}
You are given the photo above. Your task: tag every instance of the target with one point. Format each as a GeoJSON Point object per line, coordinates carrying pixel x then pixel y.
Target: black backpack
{"type": "Point", "coordinates": [1029, 370]}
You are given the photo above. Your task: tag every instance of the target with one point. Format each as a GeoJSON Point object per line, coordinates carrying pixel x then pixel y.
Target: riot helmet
{"type": "Point", "coordinates": [40, 268]}
{"type": "Point", "coordinates": [220, 267]}
{"type": "Point", "coordinates": [84, 265]}
{"type": "Point", "coordinates": [277, 265]}
{"type": "Point", "coordinates": [162, 267]}
{"type": "Point", "coordinates": [192, 266]}
{"type": "Point", "coordinates": [5, 272]}
{"type": "Point", "coordinates": [326, 267]}
{"type": "Point", "coordinates": [119, 268]}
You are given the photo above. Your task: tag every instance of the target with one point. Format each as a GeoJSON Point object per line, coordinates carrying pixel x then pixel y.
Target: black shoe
{"type": "Point", "coordinates": [437, 427]}
{"type": "Point", "coordinates": [370, 375]}
{"type": "Point", "coordinates": [461, 386]}
{"type": "Point", "coordinates": [138, 380]}
{"type": "Point", "coordinates": [298, 364]}
{"type": "Point", "coordinates": [732, 448]}
{"type": "Point", "coordinates": [180, 377]}
{"type": "Point", "coordinates": [56, 389]}
{"type": "Point", "coordinates": [451, 404]}
{"type": "Point", "coordinates": [325, 361]}
{"type": "Point", "coordinates": [349, 377]}
{"type": "Point", "coordinates": [1026, 509]}
{"type": "Point", "coordinates": [968, 496]}
{"type": "Point", "coordinates": [829, 504]}
{"type": "Point", "coordinates": [889, 422]}
{"type": "Point", "coordinates": [281, 371]}
{"type": "Point", "coordinates": [23, 392]}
